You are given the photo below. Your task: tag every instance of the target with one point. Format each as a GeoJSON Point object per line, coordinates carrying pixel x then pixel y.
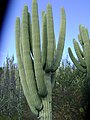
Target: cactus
{"type": "Point", "coordinates": [37, 66]}
{"type": "Point", "coordinates": [83, 54]}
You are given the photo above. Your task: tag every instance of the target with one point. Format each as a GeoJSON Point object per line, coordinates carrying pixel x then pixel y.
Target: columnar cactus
{"type": "Point", "coordinates": [37, 66]}
{"type": "Point", "coordinates": [83, 54]}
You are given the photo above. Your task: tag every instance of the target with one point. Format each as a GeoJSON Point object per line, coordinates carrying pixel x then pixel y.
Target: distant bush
{"type": "Point", "coordinates": [70, 96]}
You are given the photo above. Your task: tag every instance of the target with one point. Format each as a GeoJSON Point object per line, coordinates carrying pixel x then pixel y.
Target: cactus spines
{"type": "Point", "coordinates": [36, 67]}
{"type": "Point", "coordinates": [83, 56]}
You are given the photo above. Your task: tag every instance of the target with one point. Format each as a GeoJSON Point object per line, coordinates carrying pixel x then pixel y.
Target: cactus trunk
{"type": "Point", "coordinates": [46, 113]}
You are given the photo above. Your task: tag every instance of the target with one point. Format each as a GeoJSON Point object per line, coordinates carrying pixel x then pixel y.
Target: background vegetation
{"type": "Point", "coordinates": [70, 94]}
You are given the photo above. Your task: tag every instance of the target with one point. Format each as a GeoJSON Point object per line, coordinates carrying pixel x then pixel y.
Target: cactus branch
{"type": "Point", "coordinates": [77, 49]}
{"type": "Point", "coordinates": [60, 47]}
{"type": "Point", "coordinates": [50, 38]}
{"type": "Point", "coordinates": [75, 61]}
{"type": "Point", "coordinates": [44, 39]}
{"type": "Point", "coordinates": [39, 74]}
{"type": "Point", "coordinates": [21, 68]}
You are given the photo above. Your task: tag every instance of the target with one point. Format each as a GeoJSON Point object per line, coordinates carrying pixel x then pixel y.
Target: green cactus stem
{"type": "Point", "coordinates": [30, 33]}
{"type": "Point", "coordinates": [60, 46]}
{"type": "Point", "coordinates": [86, 41]}
{"type": "Point", "coordinates": [75, 61]}
{"type": "Point", "coordinates": [50, 38]}
{"type": "Point", "coordinates": [44, 39]}
{"type": "Point", "coordinates": [79, 53]}
{"type": "Point", "coordinates": [46, 113]}
{"type": "Point", "coordinates": [39, 74]}
{"type": "Point", "coordinates": [37, 67]}
{"type": "Point", "coordinates": [21, 69]}
{"type": "Point", "coordinates": [83, 62]}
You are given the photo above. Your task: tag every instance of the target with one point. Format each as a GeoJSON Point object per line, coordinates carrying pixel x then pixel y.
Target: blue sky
{"type": "Point", "coordinates": [77, 12]}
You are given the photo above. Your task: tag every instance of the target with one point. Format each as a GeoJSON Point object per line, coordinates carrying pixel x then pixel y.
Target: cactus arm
{"type": "Point", "coordinates": [80, 40]}
{"type": "Point", "coordinates": [75, 61]}
{"type": "Point", "coordinates": [77, 49]}
{"type": "Point", "coordinates": [43, 12]}
{"type": "Point", "coordinates": [80, 36]}
{"type": "Point", "coordinates": [85, 37]}
{"type": "Point", "coordinates": [27, 61]}
{"type": "Point", "coordinates": [87, 32]}
{"type": "Point", "coordinates": [44, 39]}
{"type": "Point", "coordinates": [21, 50]}
{"type": "Point", "coordinates": [37, 52]}
{"type": "Point", "coordinates": [30, 32]}
{"type": "Point", "coordinates": [50, 38]}
{"type": "Point", "coordinates": [21, 67]}
{"type": "Point", "coordinates": [54, 46]}
{"type": "Point", "coordinates": [61, 41]}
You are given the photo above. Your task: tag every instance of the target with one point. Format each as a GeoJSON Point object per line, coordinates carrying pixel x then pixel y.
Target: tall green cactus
{"type": "Point", "coordinates": [83, 54]}
{"type": "Point", "coordinates": [37, 66]}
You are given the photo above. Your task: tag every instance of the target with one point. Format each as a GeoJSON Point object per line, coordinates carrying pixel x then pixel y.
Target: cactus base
{"type": "Point", "coordinates": [46, 113]}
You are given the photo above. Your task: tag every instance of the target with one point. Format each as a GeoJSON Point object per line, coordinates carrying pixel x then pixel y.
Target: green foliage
{"type": "Point", "coordinates": [10, 94]}
{"type": "Point", "coordinates": [70, 96]}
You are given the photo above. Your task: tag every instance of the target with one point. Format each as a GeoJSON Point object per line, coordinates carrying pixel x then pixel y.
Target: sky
{"type": "Point", "coordinates": [77, 12]}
